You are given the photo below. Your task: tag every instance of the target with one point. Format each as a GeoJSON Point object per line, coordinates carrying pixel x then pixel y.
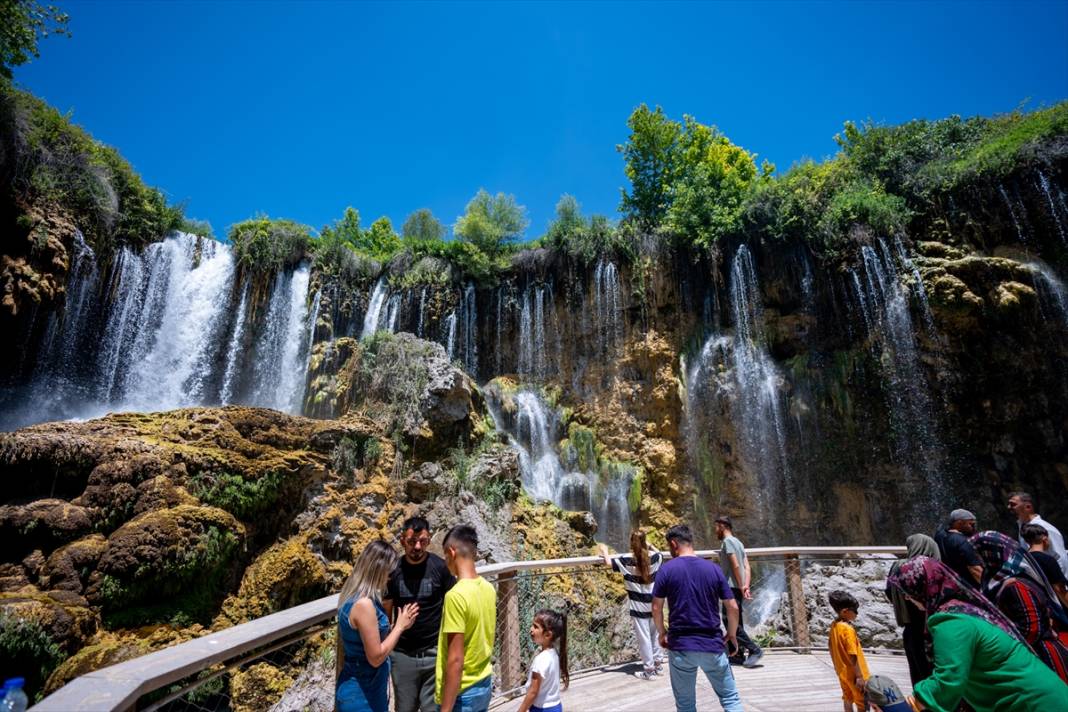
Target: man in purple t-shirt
{"type": "Point", "coordinates": [693, 589]}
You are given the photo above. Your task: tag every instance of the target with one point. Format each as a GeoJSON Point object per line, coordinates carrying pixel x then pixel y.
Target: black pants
{"type": "Point", "coordinates": [744, 641]}
{"type": "Point", "coordinates": [915, 652]}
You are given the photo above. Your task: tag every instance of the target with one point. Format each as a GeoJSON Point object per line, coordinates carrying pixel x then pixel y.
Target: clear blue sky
{"type": "Point", "coordinates": [298, 110]}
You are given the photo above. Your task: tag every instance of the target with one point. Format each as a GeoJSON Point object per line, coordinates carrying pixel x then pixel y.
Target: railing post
{"type": "Point", "coordinates": [798, 611]}
{"type": "Point", "coordinates": [508, 630]}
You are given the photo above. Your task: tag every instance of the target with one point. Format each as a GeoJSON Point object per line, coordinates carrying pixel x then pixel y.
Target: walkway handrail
{"type": "Point", "coordinates": [119, 686]}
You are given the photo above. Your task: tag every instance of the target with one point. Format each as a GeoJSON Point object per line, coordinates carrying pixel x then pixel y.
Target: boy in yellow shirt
{"type": "Point", "coordinates": [464, 680]}
{"type": "Point", "coordinates": [846, 654]}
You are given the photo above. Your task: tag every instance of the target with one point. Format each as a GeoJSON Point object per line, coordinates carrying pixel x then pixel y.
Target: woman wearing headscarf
{"type": "Point", "coordinates": [1017, 586]}
{"type": "Point", "coordinates": [912, 620]}
{"type": "Point", "coordinates": [979, 656]}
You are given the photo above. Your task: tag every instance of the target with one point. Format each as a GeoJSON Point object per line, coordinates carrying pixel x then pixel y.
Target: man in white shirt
{"type": "Point", "coordinates": [1023, 506]}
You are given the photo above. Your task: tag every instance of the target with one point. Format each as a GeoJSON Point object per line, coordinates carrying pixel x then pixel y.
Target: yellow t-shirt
{"type": "Point", "coordinates": [470, 608]}
{"type": "Point", "coordinates": [843, 643]}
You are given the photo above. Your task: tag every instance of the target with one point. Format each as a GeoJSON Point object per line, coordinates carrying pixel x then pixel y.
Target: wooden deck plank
{"type": "Point", "coordinates": [786, 680]}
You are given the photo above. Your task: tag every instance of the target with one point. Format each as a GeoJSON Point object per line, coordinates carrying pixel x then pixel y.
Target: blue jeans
{"type": "Point", "coordinates": [683, 665]}
{"type": "Point", "coordinates": [476, 698]}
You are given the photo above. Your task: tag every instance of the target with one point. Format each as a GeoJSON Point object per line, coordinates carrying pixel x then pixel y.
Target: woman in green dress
{"type": "Point", "coordinates": [979, 656]}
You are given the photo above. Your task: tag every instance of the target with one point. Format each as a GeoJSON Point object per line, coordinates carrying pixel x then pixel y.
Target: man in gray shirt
{"type": "Point", "coordinates": [736, 564]}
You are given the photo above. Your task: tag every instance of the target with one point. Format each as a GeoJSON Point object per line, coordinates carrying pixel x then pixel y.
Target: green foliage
{"type": "Point", "coordinates": [649, 157]}
{"type": "Point", "coordinates": [920, 158]}
{"type": "Point", "coordinates": [54, 162]}
{"type": "Point", "coordinates": [472, 262]}
{"type": "Point", "coordinates": [394, 369]}
{"type": "Point", "coordinates": [262, 245]}
{"type": "Point", "coordinates": [200, 228]}
{"type": "Point", "coordinates": [586, 239]}
{"type": "Point", "coordinates": [22, 24]}
{"type": "Point", "coordinates": [494, 492]}
{"type": "Point", "coordinates": [27, 650]}
{"type": "Point", "coordinates": [687, 178]}
{"type": "Point", "coordinates": [179, 591]}
{"type": "Point", "coordinates": [819, 203]}
{"type": "Point", "coordinates": [245, 499]}
{"type": "Point", "coordinates": [491, 221]}
{"type": "Point", "coordinates": [350, 454]}
{"type": "Point", "coordinates": [422, 226]}
{"type": "Point", "coordinates": [346, 251]}
{"type": "Point", "coordinates": [380, 241]}
{"type": "Point", "coordinates": [712, 179]}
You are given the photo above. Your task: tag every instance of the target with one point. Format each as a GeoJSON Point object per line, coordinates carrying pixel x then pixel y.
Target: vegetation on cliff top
{"type": "Point", "coordinates": [50, 161]}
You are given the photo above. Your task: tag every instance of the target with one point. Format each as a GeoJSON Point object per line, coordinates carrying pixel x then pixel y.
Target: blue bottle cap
{"type": "Point", "coordinates": [14, 682]}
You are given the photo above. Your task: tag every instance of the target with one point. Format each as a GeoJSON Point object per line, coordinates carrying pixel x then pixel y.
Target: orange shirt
{"type": "Point", "coordinates": [844, 643]}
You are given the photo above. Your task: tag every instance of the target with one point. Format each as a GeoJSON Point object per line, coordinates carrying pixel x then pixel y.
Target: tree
{"type": "Point", "coordinates": [712, 179]}
{"type": "Point", "coordinates": [22, 24]}
{"type": "Point", "coordinates": [491, 221]}
{"type": "Point", "coordinates": [422, 226]}
{"type": "Point", "coordinates": [380, 240]}
{"type": "Point", "coordinates": [649, 155]}
{"type": "Point", "coordinates": [568, 222]}
{"type": "Point", "coordinates": [346, 230]}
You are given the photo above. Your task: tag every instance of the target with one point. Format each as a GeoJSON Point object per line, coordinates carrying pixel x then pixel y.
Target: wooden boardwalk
{"type": "Point", "coordinates": [784, 681]}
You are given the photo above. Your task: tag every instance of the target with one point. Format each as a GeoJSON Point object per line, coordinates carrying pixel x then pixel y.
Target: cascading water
{"type": "Point", "coordinates": [374, 309]}
{"type": "Point", "coordinates": [450, 334]}
{"type": "Point", "coordinates": [1053, 293]}
{"type": "Point", "coordinates": [469, 329]}
{"type": "Point", "coordinates": [738, 372]}
{"type": "Point", "coordinates": [1044, 184]}
{"type": "Point", "coordinates": [173, 331]}
{"type": "Point", "coordinates": [234, 349]}
{"type": "Point", "coordinates": [607, 306]}
{"type": "Point", "coordinates": [1012, 213]}
{"type": "Point", "coordinates": [885, 306]}
{"type": "Point", "coordinates": [575, 483]}
{"type": "Point", "coordinates": [281, 350]}
{"type": "Point", "coordinates": [533, 362]}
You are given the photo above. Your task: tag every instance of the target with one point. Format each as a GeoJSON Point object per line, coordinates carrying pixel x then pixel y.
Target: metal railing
{"type": "Point", "coordinates": [193, 675]}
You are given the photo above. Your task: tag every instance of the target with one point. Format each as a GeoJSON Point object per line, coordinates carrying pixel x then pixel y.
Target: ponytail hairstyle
{"type": "Point", "coordinates": [640, 550]}
{"type": "Point", "coordinates": [556, 625]}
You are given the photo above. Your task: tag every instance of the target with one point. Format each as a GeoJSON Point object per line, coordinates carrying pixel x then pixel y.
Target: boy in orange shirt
{"type": "Point", "coordinates": [848, 658]}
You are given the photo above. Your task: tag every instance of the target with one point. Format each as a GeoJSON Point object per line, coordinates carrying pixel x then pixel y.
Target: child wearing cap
{"type": "Point", "coordinates": [846, 654]}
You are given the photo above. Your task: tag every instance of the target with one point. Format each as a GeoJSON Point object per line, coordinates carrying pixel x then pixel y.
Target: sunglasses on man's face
{"type": "Point", "coordinates": [424, 541]}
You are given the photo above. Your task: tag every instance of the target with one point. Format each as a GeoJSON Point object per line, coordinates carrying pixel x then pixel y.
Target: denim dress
{"type": "Point", "coordinates": [361, 686]}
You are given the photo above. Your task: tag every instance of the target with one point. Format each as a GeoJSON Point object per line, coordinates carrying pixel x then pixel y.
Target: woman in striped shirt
{"type": "Point", "coordinates": [639, 571]}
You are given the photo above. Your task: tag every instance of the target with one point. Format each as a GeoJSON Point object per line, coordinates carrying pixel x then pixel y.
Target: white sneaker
{"type": "Point", "coordinates": [645, 675]}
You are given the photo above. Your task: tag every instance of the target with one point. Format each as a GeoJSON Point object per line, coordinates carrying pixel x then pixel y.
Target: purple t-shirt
{"type": "Point", "coordinates": [693, 588]}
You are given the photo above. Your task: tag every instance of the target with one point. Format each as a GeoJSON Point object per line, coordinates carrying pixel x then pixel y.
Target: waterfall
{"type": "Point", "coordinates": [234, 351]}
{"type": "Point", "coordinates": [374, 309]}
{"type": "Point", "coordinates": [885, 306]}
{"type": "Point", "coordinates": [1053, 290]}
{"type": "Point", "coordinates": [469, 328]}
{"type": "Point", "coordinates": [172, 329]}
{"type": "Point", "coordinates": [607, 306]}
{"type": "Point", "coordinates": [1012, 213]}
{"type": "Point", "coordinates": [1044, 183]}
{"type": "Point", "coordinates": [173, 366]}
{"type": "Point", "coordinates": [497, 330]}
{"type": "Point", "coordinates": [534, 430]}
{"type": "Point", "coordinates": [450, 334]}
{"type": "Point", "coordinates": [758, 405]}
{"type": "Point", "coordinates": [393, 307]}
{"type": "Point", "coordinates": [280, 359]}
{"type": "Point", "coordinates": [422, 311]}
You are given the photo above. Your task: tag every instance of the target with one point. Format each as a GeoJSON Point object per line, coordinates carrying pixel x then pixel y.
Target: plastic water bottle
{"type": "Point", "coordinates": [14, 699]}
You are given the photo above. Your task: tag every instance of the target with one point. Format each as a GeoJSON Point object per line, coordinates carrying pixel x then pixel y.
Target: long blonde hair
{"type": "Point", "coordinates": [370, 573]}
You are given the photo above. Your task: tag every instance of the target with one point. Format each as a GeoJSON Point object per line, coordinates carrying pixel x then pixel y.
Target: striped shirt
{"type": "Point", "coordinates": [639, 595]}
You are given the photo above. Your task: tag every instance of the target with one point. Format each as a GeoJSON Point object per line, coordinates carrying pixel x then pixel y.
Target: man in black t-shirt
{"type": "Point", "coordinates": [957, 552]}
{"type": "Point", "coordinates": [1037, 539]}
{"type": "Point", "coordinates": [420, 577]}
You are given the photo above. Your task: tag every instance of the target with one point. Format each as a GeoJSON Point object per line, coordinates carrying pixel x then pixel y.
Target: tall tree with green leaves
{"type": "Point", "coordinates": [491, 221]}
{"type": "Point", "coordinates": [422, 226]}
{"type": "Point", "coordinates": [380, 240]}
{"type": "Point", "coordinates": [712, 179]}
{"type": "Point", "coordinates": [23, 23]}
{"type": "Point", "coordinates": [650, 156]}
